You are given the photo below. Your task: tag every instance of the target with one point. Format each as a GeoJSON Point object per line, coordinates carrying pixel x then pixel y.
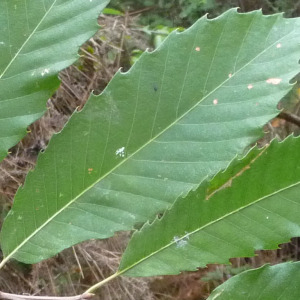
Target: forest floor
{"type": "Point", "coordinates": [75, 269]}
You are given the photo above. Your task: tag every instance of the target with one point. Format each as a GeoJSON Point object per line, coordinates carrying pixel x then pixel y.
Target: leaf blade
{"type": "Point", "coordinates": [134, 149]}
{"type": "Point", "coordinates": [37, 40]}
{"type": "Point", "coordinates": [267, 282]}
{"type": "Point", "coordinates": [250, 214]}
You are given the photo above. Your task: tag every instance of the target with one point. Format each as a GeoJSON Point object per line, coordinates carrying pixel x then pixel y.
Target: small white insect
{"type": "Point", "coordinates": [44, 72]}
{"type": "Point", "coordinates": [120, 152]}
{"type": "Point", "coordinates": [181, 242]}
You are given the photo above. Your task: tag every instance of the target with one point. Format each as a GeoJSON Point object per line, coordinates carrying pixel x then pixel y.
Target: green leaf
{"type": "Point", "coordinates": [37, 40]}
{"type": "Point", "coordinates": [267, 283]}
{"type": "Point", "coordinates": [259, 209]}
{"type": "Point", "coordinates": [180, 114]}
{"type": "Point", "coordinates": [112, 11]}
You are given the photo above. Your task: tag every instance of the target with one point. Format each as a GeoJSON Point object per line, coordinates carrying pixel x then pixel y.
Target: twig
{"type": "Point", "coordinates": [122, 40]}
{"type": "Point", "coordinates": [228, 183]}
{"type": "Point", "coordinates": [8, 296]}
{"type": "Point", "coordinates": [241, 5]}
{"type": "Point", "coordinates": [78, 262]}
{"type": "Point", "coordinates": [12, 177]}
{"type": "Point", "coordinates": [292, 118]}
{"type": "Point", "coordinates": [137, 12]}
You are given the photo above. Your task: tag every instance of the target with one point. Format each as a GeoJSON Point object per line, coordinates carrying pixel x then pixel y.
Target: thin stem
{"type": "Point", "coordinates": [292, 118]}
{"type": "Point", "coordinates": [122, 40]}
{"type": "Point", "coordinates": [8, 296]}
{"type": "Point", "coordinates": [99, 284]}
{"type": "Point", "coordinates": [137, 12]}
{"type": "Point", "coordinates": [3, 262]}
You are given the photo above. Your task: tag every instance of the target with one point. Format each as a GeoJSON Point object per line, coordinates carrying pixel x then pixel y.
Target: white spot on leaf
{"type": "Point", "coordinates": [274, 81]}
{"type": "Point", "coordinates": [250, 86]}
{"type": "Point", "coordinates": [229, 75]}
{"type": "Point", "coordinates": [215, 102]}
{"type": "Point", "coordinates": [120, 152]}
{"type": "Point", "coordinates": [181, 242]}
{"type": "Point", "coordinates": [44, 72]}
{"type": "Point", "coordinates": [278, 45]}
{"type": "Point", "coordinates": [197, 49]}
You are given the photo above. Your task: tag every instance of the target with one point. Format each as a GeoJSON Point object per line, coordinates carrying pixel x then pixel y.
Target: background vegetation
{"type": "Point", "coordinates": [186, 12]}
{"type": "Point", "coordinates": [135, 26]}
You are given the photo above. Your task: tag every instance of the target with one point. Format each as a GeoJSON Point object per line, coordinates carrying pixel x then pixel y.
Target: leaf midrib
{"type": "Point", "coordinates": [139, 149]}
{"type": "Point", "coordinates": [28, 39]}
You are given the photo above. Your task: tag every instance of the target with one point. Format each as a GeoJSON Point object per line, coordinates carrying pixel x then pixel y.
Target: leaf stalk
{"type": "Point", "coordinates": [101, 283]}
